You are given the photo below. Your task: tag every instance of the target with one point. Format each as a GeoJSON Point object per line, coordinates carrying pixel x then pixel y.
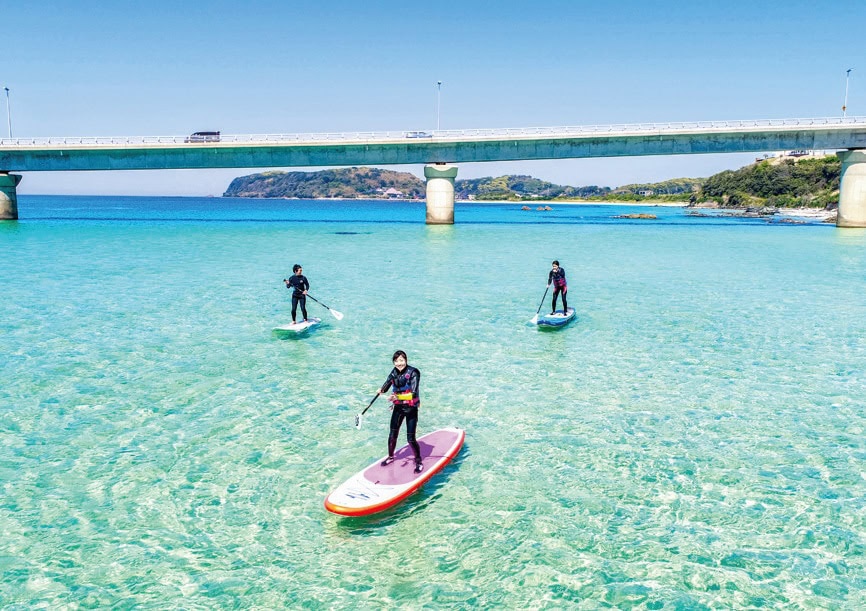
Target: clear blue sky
{"type": "Point", "coordinates": [171, 68]}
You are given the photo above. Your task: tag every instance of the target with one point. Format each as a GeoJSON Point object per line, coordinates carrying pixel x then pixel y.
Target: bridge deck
{"type": "Point", "coordinates": [413, 147]}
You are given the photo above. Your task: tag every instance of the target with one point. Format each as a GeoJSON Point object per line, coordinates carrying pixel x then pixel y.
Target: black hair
{"type": "Point", "coordinates": [295, 268]}
{"type": "Point", "coordinates": [555, 262]}
{"type": "Point", "coordinates": [399, 353]}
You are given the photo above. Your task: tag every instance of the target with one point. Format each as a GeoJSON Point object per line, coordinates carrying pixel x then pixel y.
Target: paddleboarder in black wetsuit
{"type": "Point", "coordinates": [301, 285]}
{"type": "Point", "coordinates": [405, 399]}
{"type": "Point", "coordinates": [557, 277]}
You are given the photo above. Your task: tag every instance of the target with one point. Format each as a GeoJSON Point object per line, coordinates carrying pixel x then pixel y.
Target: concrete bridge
{"type": "Point", "coordinates": [441, 149]}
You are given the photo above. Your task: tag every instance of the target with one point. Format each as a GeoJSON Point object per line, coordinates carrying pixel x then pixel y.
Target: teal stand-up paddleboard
{"type": "Point", "coordinates": [557, 319]}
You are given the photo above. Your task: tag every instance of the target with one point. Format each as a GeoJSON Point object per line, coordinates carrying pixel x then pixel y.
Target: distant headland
{"type": "Point", "coordinates": [792, 180]}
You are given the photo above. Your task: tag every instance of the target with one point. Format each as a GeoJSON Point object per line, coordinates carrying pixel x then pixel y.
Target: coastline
{"type": "Point", "coordinates": [812, 214]}
{"type": "Point", "coordinates": [819, 214]}
{"type": "Point", "coordinates": [809, 213]}
{"type": "Point", "coordinates": [806, 213]}
{"type": "Point", "coordinates": [534, 202]}
{"type": "Point", "coordinates": [548, 202]}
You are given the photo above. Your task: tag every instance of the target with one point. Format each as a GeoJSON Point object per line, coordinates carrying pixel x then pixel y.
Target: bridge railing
{"type": "Point", "coordinates": [439, 135]}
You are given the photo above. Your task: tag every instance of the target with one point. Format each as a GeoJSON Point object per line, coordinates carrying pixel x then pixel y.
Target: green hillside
{"type": "Point", "coordinates": [786, 183]}
{"type": "Point", "coordinates": [780, 182]}
{"type": "Point", "coordinates": [338, 183]}
{"type": "Point", "coordinates": [520, 187]}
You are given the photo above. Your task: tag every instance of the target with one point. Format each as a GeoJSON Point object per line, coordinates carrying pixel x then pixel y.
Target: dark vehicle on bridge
{"type": "Point", "coordinates": [203, 137]}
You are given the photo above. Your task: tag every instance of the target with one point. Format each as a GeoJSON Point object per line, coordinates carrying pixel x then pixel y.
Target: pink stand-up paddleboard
{"type": "Point", "coordinates": [377, 488]}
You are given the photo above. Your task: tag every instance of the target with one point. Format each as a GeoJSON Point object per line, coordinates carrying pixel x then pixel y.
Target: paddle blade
{"type": "Point", "coordinates": [337, 315]}
{"type": "Point", "coordinates": [534, 320]}
{"type": "Point", "coordinates": [358, 421]}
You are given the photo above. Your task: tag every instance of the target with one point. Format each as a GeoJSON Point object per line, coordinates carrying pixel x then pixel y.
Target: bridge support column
{"type": "Point", "coordinates": [852, 191]}
{"type": "Point", "coordinates": [440, 193]}
{"type": "Point", "coordinates": [8, 196]}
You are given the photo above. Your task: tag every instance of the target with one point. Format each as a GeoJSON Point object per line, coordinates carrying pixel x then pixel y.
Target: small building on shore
{"type": "Point", "coordinates": [391, 193]}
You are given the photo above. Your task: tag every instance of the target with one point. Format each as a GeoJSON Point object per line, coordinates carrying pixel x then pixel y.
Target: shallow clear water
{"type": "Point", "coordinates": [694, 440]}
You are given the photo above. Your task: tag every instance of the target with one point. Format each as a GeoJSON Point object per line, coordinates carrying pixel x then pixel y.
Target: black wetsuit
{"type": "Point", "coordinates": [404, 382]}
{"type": "Point", "coordinates": [559, 286]}
{"type": "Point", "coordinates": [299, 284]}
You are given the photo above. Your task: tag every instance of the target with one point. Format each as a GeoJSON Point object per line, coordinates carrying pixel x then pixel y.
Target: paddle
{"type": "Point", "coordinates": [358, 417]}
{"type": "Point", "coordinates": [337, 315]}
{"type": "Point", "coordinates": [534, 320]}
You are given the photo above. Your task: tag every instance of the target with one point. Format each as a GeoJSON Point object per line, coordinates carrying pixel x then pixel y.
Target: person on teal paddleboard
{"type": "Point", "coordinates": [300, 285]}
{"type": "Point", "coordinates": [405, 400]}
{"type": "Point", "coordinates": [557, 278]}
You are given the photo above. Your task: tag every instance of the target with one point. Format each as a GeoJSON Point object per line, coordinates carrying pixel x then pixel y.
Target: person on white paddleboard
{"type": "Point", "coordinates": [301, 285]}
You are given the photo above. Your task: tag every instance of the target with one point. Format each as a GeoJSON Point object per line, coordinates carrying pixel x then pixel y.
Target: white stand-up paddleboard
{"type": "Point", "coordinates": [299, 327]}
{"type": "Point", "coordinates": [377, 488]}
{"type": "Point", "coordinates": [557, 319]}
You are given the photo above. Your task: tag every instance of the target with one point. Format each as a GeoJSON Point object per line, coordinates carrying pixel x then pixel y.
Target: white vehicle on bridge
{"type": "Point", "coordinates": [203, 137]}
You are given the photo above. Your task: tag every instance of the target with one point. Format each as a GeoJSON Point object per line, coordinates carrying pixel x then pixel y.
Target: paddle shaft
{"type": "Point", "coordinates": [360, 416]}
{"type": "Point", "coordinates": [317, 301]}
{"type": "Point", "coordinates": [542, 300]}
{"type": "Point", "coordinates": [370, 405]}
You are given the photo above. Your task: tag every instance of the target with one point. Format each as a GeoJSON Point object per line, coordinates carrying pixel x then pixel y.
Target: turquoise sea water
{"type": "Point", "coordinates": [694, 440]}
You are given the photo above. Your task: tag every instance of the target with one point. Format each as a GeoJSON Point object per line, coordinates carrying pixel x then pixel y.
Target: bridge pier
{"type": "Point", "coordinates": [440, 193]}
{"type": "Point", "coordinates": [852, 190]}
{"type": "Point", "coordinates": [8, 196]}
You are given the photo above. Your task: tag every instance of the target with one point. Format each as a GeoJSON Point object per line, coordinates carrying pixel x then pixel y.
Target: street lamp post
{"type": "Point", "coordinates": [845, 103]}
{"type": "Point", "coordinates": [8, 113]}
{"type": "Point", "coordinates": [438, 102]}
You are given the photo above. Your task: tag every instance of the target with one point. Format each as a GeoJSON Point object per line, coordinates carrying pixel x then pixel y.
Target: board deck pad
{"type": "Point", "coordinates": [377, 488]}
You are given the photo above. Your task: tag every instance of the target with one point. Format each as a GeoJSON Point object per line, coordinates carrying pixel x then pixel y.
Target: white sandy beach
{"type": "Point", "coordinates": [808, 213]}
